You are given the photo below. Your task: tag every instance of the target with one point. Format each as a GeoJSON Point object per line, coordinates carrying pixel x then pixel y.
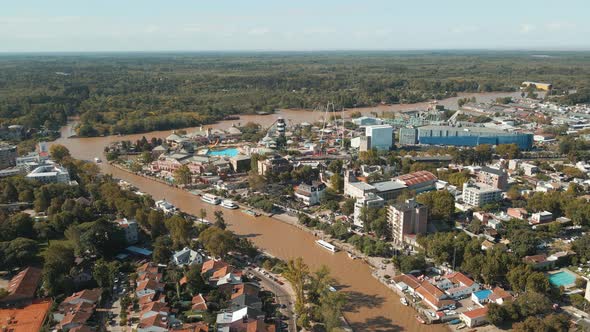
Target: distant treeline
{"type": "Point", "coordinates": [131, 93]}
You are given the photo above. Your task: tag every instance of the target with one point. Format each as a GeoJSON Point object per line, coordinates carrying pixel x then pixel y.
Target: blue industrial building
{"type": "Point", "coordinates": [471, 136]}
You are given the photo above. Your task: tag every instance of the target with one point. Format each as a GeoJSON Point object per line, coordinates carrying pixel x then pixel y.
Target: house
{"type": "Point", "coordinates": [187, 257]}
{"type": "Point", "coordinates": [226, 318]}
{"type": "Point", "coordinates": [130, 228]}
{"type": "Point", "coordinates": [192, 327]}
{"type": "Point", "coordinates": [199, 303]}
{"type": "Point", "coordinates": [539, 262]}
{"type": "Point", "coordinates": [481, 297]}
{"type": "Point", "coordinates": [499, 296]}
{"type": "Point", "coordinates": [274, 164]}
{"type": "Point", "coordinates": [494, 177]}
{"type": "Point", "coordinates": [22, 287]}
{"type": "Point", "coordinates": [518, 213]}
{"type": "Point", "coordinates": [211, 266]}
{"type": "Point", "coordinates": [310, 194]}
{"type": "Point", "coordinates": [475, 317]}
{"type": "Point", "coordinates": [487, 245]}
{"type": "Point", "coordinates": [460, 285]}
{"type": "Point", "coordinates": [77, 308]}
{"type": "Point", "coordinates": [433, 296]}
{"type": "Point", "coordinates": [406, 282]}
{"type": "Point", "coordinates": [26, 319]}
{"type": "Point", "coordinates": [541, 217]}
{"type": "Point", "coordinates": [244, 288]}
{"type": "Point", "coordinates": [154, 323]}
{"type": "Point", "coordinates": [50, 173]}
{"type": "Point", "coordinates": [153, 308]}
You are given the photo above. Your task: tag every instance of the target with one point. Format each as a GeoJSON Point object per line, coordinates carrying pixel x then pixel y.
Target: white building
{"type": "Point", "coordinates": [50, 174]}
{"type": "Point", "coordinates": [130, 228]}
{"type": "Point", "coordinates": [380, 136]}
{"type": "Point", "coordinates": [480, 194]}
{"type": "Point", "coordinates": [371, 201]}
{"type": "Point", "coordinates": [310, 194]}
{"type": "Point", "coordinates": [187, 256]}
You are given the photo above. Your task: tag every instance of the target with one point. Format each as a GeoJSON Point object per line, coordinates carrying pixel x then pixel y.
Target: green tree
{"type": "Point", "coordinates": [59, 152]}
{"type": "Point", "coordinates": [162, 252]}
{"type": "Point", "coordinates": [183, 175]}
{"type": "Point", "coordinates": [441, 204]}
{"type": "Point", "coordinates": [59, 259]}
{"type": "Point", "coordinates": [219, 220]}
{"type": "Point", "coordinates": [10, 193]}
{"type": "Point", "coordinates": [104, 273]}
{"type": "Point", "coordinates": [180, 231]}
{"type": "Point", "coordinates": [218, 241]}
{"type": "Point", "coordinates": [336, 182]}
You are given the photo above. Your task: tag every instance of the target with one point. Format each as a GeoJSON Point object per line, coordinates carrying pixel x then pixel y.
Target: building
{"type": "Point", "coordinates": [480, 194]}
{"type": "Point", "coordinates": [407, 218]}
{"type": "Point", "coordinates": [8, 156]}
{"type": "Point", "coordinates": [475, 317]}
{"type": "Point", "coordinates": [240, 163]}
{"type": "Point", "coordinates": [187, 257]}
{"type": "Point", "coordinates": [130, 228]}
{"type": "Point", "coordinates": [494, 177]}
{"type": "Point", "coordinates": [388, 190]}
{"type": "Point", "coordinates": [310, 194]}
{"type": "Point", "coordinates": [457, 285]}
{"type": "Point", "coordinates": [541, 217]}
{"type": "Point", "coordinates": [28, 319]}
{"type": "Point", "coordinates": [527, 168]}
{"type": "Point", "coordinates": [381, 136]}
{"type": "Point", "coordinates": [433, 296]}
{"type": "Point", "coordinates": [22, 287]}
{"type": "Point", "coordinates": [366, 121]}
{"type": "Point", "coordinates": [418, 182]}
{"type": "Point", "coordinates": [408, 136]}
{"type": "Point", "coordinates": [472, 136]}
{"type": "Point", "coordinates": [50, 174]}
{"type": "Point", "coordinates": [370, 201]}
{"type": "Point", "coordinates": [538, 85]}
{"type": "Point", "coordinates": [274, 164]}
{"type": "Point", "coordinates": [77, 309]}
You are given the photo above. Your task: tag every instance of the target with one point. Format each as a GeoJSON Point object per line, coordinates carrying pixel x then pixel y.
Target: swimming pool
{"type": "Point", "coordinates": [229, 152]}
{"type": "Point", "coordinates": [562, 278]}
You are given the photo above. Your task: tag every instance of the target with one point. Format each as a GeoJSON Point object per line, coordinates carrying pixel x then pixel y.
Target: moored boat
{"type": "Point", "coordinates": [228, 204]}
{"type": "Point", "coordinates": [211, 199]}
{"type": "Point", "coordinates": [326, 245]}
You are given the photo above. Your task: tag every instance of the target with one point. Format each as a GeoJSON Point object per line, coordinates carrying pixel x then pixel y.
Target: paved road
{"type": "Point", "coordinates": [283, 294]}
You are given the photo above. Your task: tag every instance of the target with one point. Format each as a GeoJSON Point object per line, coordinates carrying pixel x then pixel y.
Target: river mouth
{"type": "Point", "coordinates": [371, 306]}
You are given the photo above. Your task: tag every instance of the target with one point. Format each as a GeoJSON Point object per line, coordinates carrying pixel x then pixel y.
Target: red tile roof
{"type": "Point", "coordinates": [86, 295]}
{"type": "Point", "coordinates": [154, 320]}
{"type": "Point", "coordinates": [248, 289]}
{"type": "Point", "coordinates": [27, 319]}
{"type": "Point", "coordinates": [408, 279]}
{"type": "Point", "coordinates": [460, 278]}
{"type": "Point", "coordinates": [500, 293]}
{"type": "Point", "coordinates": [479, 312]}
{"type": "Point", "coordinates": [199, 302]}
{"type": "Point", "coordinates": [193, 327]}
{"type": "Point", "coordinates": [415, 178]}
{"type": "Point", "coordinates": [212, 265]}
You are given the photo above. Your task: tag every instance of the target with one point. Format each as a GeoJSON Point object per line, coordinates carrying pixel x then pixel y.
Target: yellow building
{"type": "Point", "coordinates": [540, 86]}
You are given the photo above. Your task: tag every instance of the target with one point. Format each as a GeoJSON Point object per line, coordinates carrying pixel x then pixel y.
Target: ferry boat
{"type": "Point", "coordinates": [251, 212]}
{"type": "Point", "coordinates": [326, 245]}
{"type": "Point", "coordinates": [403, 301]}
{"type": "Point", "coordinates": [228, 204]}
{"type": "Point", "coordinates": [211, 199]}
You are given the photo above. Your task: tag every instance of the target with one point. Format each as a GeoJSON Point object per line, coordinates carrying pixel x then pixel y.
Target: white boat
{"type": "Point", "coordinates": [228, 204]}
{"type": "Point", "coordinates": [326, 245]}
{"type": "Point", "coordinates": [211, 199]}
{"type": "Point", "coordinates": [351, 255]}
{"type": "Point", "coordinates": [403, 301]}
{"type": "Point", "coordinates": [332, 289]}
{"type": "Point", "coordinates": [97, 160]}
{"type": "Point", "coordinates": [165, 206]}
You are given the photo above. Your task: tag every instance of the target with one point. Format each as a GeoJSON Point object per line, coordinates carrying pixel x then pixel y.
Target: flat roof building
{"type": "Point", "coordinates": [381, 136]}
{"type": "Point", "coordinates": [472, 136]}
{"type": "Point", "coordinates": [480, 194]}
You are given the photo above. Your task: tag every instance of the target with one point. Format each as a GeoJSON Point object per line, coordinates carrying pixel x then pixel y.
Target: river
{"type": "Point", "coordinates": [372, 307]}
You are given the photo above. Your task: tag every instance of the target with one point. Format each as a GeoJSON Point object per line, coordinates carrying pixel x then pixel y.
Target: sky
{"type": "Point", "coordinates": [303, 25]}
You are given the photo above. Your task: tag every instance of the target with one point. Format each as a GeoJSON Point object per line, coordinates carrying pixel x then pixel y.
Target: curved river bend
{"type": "Point", "coordinates": [372, 307]}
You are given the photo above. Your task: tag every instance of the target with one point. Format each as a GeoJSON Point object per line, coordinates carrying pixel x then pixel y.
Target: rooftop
{"type": "Point", "coordinates": [27, 319]}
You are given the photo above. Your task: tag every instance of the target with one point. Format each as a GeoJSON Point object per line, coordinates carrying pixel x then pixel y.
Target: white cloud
{"type": "Point", "coordinates": [526, 28]}
{"type": "Point", "coordinates": [258, 31]}
{"type": "Point", "coordinates": [152, 28]}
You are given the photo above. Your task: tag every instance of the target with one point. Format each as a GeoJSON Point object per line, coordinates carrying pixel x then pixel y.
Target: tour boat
{"type": "Point", "coordinates": [211, 199]}
{"type": "Point", "coordinates": [326, 245]}
{"type": "Point", "coordinates": [228, 204]}
{"type": "Point", "coordinates": [403, 301]}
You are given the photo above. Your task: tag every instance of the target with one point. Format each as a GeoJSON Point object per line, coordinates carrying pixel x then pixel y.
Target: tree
{"type": "Point", "coordinates": [218, 241]}
{"type": "Point", "coordinates": [531, 303]}
{"type": "Point", "coordinates": [408, 263]}
{"type": "Point", "coordinates": [219, 220]}
{"type": "Point", "coordinates": [202, 214]}
{"type": "Point", "coordinates": [42, 199]}
{"type": "Point", "coordinates": [156, 223]}
{"type": "Point", "coordinates": [441, 204]}
{"type": "Point", "coordinates": [297, 273]}
{"type": "Point", "coordinates": [537, 282]}
{"type": "Point", "coordinates": [348, 206]}
{"type": "Point", "coordinates": [162, 252]}
{"type": "Point", "coordinates": [183, 175]}
{"type": "Point", "coordinates": [10, 193]}
{"type": "Point", "coordinates": [59, 259]}
{"type": "Point", "coordinates": [18, 252]}
{"type": "Point", "coordinates": [336, 182]}
{"type": "Point", "coordinates": [180, 231]}
{"type": "Point", "coordinates": [102, 239]}
{"type": "Point", "coordinates": [104, 273]}
{"type": "Point", "coordinates": [196, 283]}
{"type": "Point", "coordinates": [72, 233]}
{"type": "Point", "coordinates": [59, 152]}
{"type": "Point", "coordinates": [22, 224]}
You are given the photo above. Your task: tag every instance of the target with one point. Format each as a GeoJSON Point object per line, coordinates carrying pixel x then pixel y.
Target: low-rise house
{"type": "Point", "coordinates": [458, 285]}
{"type": "Point", "coordinates": [274, 164]}
{"type": "Point", "coordinates": [154, 323]}
{"type": "Point", "coordinates": [226, 318]}
{"type": "Point", "coordinates": [148, 287]}
{"type": "Point", "coordinates": [21, 288]}
{"type": "Point", "coordinates": [198, 303]}
{"type": "Point", "coordinates": [475, 317]}
{"type": "Point", "coordinates": [433, 296]}
{"type": "Point", "coordinates": [130, 228]}
{"type": "Point", "coordinates": [499, 296]}
{"type": "Point", "coordinates": [406, 283]}
{"type": "Point", "coordinates": [310, 194]}
{"type": "Point", "coordinates": [211, 266]}
{"type": "Point", "coordinates": [481, 297]}
{"type": "Point", "coordinates": [49, 174]}
{"type": "Point", "coordinates": [539, 262]}
{"type": "Point", "coordinates": [187, 257]}
{"type": "Point", "coordinates": [541, 217]}
{"type": "Point", "coordinates": [518, 213]}
{"type": "Point", "coordinates": [77, 308]}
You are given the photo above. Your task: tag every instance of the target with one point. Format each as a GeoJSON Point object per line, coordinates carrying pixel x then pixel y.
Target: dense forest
{"type": "Point", "coordinates": [137, 92]}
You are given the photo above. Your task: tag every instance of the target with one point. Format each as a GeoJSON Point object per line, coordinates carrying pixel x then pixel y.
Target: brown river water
{"type": "Point", "coordinates": [371, 307]}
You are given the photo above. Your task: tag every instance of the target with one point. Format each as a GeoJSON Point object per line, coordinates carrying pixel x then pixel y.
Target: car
{"type": "Point", "coordinates": [283, 306]}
